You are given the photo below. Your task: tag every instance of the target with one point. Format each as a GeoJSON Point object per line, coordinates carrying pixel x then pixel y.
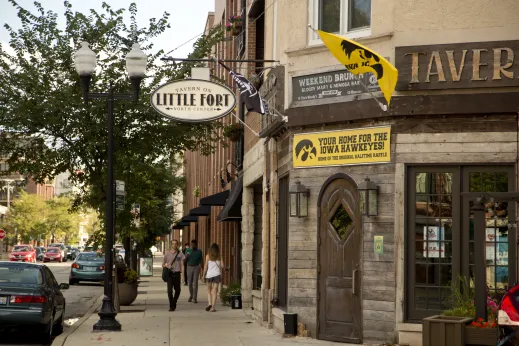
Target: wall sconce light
{"type": "Point", "coordinates": [368, 198]}
{"type": "Point", "coordinates": [299, 200]}
{"type": "Point", "coordinates": [222, 182]}
{"type": "Point", "coordinates": [229, 175]}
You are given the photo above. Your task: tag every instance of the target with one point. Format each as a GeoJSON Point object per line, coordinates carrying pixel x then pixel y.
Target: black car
{"type": "Point", "coordinates": [30, 297]}
{"type": "Point", "coordinates": [40, 253]}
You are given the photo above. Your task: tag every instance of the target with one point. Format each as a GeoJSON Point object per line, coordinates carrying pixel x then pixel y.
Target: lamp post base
{"type": "Point", "coordinates": [107, 321]}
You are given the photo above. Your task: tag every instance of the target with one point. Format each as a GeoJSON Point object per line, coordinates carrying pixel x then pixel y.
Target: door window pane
{"type": "Point", "coordinates": [360, 14]}
{"type": "Point", "coordinates": [330, 15]}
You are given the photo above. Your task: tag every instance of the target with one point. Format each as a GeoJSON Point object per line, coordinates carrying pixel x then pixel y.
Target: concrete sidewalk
{"type": "Point", "coordinates": [147, 322]}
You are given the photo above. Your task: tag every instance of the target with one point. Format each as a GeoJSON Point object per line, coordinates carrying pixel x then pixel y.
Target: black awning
{"type": "Point", "coordinates": [180, 225]}
{"type": "Point", "coordinates": [189, 218]}
{"type": "Point", "coordinates": [216, 199]}
{"type": "Point", "coordinates": [232, 209]}
{"type": "Point", "coordinates": [203, 210]}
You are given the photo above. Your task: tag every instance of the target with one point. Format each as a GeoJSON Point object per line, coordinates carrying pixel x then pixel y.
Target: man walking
{"type": "Point", "coordinates": [194, 263]}
{"type": "Point", "coordinates": [174, 261]}
{"type": "Point", "coordinates": [185, 251]}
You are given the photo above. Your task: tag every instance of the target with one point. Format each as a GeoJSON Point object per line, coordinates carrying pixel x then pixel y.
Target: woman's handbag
{"type": "Point", "coordinates": [165, 270]}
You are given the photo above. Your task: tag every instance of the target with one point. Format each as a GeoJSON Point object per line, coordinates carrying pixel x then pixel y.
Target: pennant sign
{"type": "Point", "coordinates": [248, 92]}
{"type": "Point", "coordinates": [359, 59]}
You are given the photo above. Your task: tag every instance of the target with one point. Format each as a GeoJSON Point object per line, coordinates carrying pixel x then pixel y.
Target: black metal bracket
{"type": "Point", "coordinates": [167, 58]}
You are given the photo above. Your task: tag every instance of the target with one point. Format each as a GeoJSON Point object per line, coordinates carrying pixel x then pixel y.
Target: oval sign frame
{"type": "Point", "coordinates": [218, 116]}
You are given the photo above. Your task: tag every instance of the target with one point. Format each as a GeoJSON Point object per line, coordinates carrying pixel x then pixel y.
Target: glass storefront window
{"type": "Point", "coordinates": [440, 236]}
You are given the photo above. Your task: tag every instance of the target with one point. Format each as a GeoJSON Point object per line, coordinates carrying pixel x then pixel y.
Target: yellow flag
{"type": "Point", "coordinates": [359, 59]}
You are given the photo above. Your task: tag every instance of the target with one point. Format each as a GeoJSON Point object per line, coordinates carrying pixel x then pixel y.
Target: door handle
{"type": "Point", "coordinates": [355, 282]}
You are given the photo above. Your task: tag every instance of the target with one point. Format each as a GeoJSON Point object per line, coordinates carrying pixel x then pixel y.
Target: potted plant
{"type": "Point", "coordinates": [234, 25]}
{"type": "Point", "coordinates": [459, 321]}
{"type": "Point", "coordinates": [233, 132]}
{"type": "Point", "coordinates": [128, 289]}
{"type": "Point", "coordinates": [231, 294]}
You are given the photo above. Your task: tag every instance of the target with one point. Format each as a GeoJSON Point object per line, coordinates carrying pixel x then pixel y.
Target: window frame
{"type": "Point", "coordinates": [313, 18]}
{"type": "Point", "coordinates": [460, 222]}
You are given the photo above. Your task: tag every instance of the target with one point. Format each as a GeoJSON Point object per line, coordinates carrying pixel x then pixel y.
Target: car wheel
{"type": "Point", "coordinates": [58, 326]}
{"type": "Point", "coordinates": [72, 282]}
{"type": "Point", "coordinates": [47, 331]}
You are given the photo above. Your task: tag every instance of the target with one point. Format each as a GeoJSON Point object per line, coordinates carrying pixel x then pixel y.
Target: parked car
{"type": "Point", "coordinates": [23, 253]}
{"type": "Point", "coordinates": [88, 266]}
{"type": "Point", "coordinates": [53, 254]}
{"type": "Point", "coordinates": [31, 298]}
{"type": "Point", "coordinates": [74, 252]}
{"type": "Point", "coordinates": [40, 253]}
{"type": "Point", "coordinates": [63, 249]}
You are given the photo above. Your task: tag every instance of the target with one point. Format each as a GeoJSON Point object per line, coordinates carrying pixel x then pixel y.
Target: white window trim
{"type": "Point", "coordinates": [313, 16]}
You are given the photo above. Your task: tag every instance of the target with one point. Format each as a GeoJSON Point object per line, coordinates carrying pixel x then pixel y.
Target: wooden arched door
{"type": "Point", "coordinates": [340, 250]}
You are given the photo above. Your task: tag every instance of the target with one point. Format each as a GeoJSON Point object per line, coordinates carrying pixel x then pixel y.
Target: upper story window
{"type": "Point", "coordinates": [350, 18]}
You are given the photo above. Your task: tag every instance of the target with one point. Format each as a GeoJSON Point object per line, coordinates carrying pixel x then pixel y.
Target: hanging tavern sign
{"type": "Point", "coordinates": [193, 100]}
{"type": "Point", "coordinates": [460, 65]}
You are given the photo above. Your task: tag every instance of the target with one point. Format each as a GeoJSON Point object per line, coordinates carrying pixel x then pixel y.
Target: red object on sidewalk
{"type": "Point", "coordinates": [2, 234]}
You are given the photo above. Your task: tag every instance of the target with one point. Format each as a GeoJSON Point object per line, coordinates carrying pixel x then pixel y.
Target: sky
{"type": "Point", "coordinates": [186, 19]}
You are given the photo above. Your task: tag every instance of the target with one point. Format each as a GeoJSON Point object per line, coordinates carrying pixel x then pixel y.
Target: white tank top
{"type": "Point", "coordinates": [213, 269]}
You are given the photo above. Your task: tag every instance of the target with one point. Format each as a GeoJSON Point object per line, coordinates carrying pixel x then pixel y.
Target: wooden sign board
{"type": "Point", "coordinates": [457, 66]}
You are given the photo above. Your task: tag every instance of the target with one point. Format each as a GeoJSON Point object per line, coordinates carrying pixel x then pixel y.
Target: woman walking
{"type": "Point", "coordinates": [213, 273]}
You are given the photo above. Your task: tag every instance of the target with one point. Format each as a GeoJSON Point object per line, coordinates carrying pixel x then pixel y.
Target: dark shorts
{"type": "Point", "coordinates": [215, 279]}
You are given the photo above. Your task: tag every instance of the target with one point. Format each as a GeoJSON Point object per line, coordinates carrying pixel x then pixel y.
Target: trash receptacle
{"type": "Point", "coordinates": [236, 301]}
{"type": "Point", "coordinates": [290, 324]}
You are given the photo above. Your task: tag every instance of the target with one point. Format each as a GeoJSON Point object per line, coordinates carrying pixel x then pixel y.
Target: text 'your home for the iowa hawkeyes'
{"type": "Point", "coordinates": [347, 147]}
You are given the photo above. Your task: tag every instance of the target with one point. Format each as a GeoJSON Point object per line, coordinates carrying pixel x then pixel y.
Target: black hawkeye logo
{"type": "Point", "coordinates": [305, 150]}
{"type": "Point", "coordinates": [365, 57]}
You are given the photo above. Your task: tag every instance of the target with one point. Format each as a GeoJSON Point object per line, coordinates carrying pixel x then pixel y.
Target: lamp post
{"type": "Point", "coordinates": [9, 187]}
{"type": "Point", "coordinates": [85, 61]}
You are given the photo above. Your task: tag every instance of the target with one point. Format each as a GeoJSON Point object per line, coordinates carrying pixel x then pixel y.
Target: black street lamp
{"type": "Point", "coordinates": [85, 61]}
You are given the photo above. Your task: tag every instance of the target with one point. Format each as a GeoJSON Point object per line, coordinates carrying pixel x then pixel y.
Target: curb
{"type": "Point", "coordinates": [62, 338]}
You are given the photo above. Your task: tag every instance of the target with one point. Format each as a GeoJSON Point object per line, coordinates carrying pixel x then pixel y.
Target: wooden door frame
{"type": "Point", "coordinates": [324, 186]}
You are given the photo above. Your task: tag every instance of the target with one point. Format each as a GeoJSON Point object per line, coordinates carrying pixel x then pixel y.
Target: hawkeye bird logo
{"type": "Point", "coordinates": [359, 60]}
{"type": "Point", "coordinates": [364, 58]}
{"type": "Point", "coordinates": [305, 150]}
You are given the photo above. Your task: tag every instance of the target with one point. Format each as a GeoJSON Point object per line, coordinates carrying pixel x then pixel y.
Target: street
{"type": "Point", "coordinates": [79, 298]}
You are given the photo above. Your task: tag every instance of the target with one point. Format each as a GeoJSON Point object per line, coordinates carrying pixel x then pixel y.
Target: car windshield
{"type": "Point", "coordinates": [21, 249]}
{"type": "Point", "coordinates": [20, 274]}
{"type": "Point", "coordinates": [90, 257]}
{"type": "Point", "coordinates": [52, 251]}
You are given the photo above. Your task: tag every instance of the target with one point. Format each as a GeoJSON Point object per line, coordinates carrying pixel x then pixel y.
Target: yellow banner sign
{"type": "Point", "coordinates": [347, 147]}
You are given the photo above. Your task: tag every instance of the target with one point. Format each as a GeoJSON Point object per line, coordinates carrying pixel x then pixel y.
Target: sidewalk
{"type": "Point", "coordinates": [147, 322]}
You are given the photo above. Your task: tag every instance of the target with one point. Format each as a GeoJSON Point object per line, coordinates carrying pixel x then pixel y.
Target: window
{"type": "Point", "coordinates": [351, 18]}
{"type": "Point", "coordinates": [440, 234]}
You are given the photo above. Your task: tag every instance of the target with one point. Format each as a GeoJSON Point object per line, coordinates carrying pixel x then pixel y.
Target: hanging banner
{"type": "Point", "coordinates": [193, 100]}
{"type": "Point", "coordinates": [337, 148]}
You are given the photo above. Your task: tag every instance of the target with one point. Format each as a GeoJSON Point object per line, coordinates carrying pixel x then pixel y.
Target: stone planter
{"type": "Point", "coordinates": [481, 336]}
{"type": "Point", "coordinates": [127, 293]}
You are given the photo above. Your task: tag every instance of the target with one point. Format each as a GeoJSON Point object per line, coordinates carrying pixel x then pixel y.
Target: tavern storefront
{"type": "Point", "coordinates": [388, 227]}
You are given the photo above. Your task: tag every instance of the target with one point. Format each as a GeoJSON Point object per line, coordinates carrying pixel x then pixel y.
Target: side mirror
{"type": "Point", "coordinates": [64, 286]}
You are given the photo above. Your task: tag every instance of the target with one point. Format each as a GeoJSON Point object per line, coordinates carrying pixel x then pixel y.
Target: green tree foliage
{"type": "Point", "coordinates": [41, 106]}
{"type": "Point", "coordinates": [33, 218]}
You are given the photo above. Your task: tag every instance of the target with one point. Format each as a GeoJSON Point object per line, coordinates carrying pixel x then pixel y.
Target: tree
{"type": "Point", "coordinates": [25, 217]}
{"type": "Point", "coordinates": [36, 219]}
{"type": "Point", "coordinates": [48, 129]}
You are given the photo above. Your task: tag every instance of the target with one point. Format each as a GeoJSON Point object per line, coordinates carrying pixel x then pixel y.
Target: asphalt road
{"type": "Point", "coordinates": [79, 299]}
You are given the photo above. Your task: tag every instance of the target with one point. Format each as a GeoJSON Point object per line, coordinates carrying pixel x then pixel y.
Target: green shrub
{"type": "Point", "coordinates": [225, 294]}
{"type": "Point", "coordinates": [130, 276]}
